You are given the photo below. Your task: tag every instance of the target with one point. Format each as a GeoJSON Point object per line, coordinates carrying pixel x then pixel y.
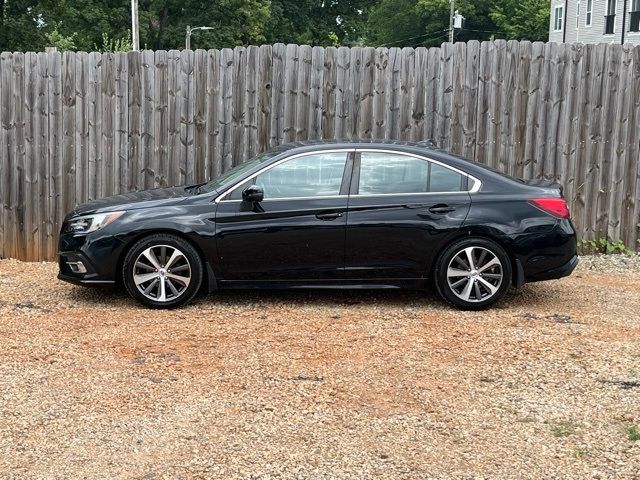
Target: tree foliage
{"type": "Point", "coordinates": [522, 20]}
{"type": "Point", "coordinates": [84, 24]}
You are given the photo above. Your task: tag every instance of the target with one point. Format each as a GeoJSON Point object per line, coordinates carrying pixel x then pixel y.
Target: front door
{"type": "Point", "coordinates": [402, 211]}
{"type": "Point", "coordinates": [297, 232]}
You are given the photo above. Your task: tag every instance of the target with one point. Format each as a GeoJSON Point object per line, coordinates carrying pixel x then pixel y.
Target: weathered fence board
{"type": "Point", "coordinates": [78, 126]}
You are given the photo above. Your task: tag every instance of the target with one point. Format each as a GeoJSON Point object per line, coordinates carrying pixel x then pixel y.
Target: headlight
{"type": "Point", "coordinates": [91, 223]}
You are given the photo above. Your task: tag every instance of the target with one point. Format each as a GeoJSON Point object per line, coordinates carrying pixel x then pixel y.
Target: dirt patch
{"type": "Point", "coordinates": [320, 384]}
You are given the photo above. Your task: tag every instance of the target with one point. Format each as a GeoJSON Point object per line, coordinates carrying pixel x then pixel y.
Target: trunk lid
{"type": "Point", "coordinates": [548, 187]}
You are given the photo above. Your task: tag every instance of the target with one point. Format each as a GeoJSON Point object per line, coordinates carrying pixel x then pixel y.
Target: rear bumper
{"type": "Point", "coordinates": [554, 273]}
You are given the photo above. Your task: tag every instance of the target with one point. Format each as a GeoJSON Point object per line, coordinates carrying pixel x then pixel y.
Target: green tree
{"type": "Point", "coordinates": [60, 41]}
{"type": "Point", "coordinates": [236, 22]}
{"type": "Point", "coordinates": [409, 23]}
{"type": "Point", "coordinates": [522, 20]}
{"type": "Point", "coordinates": [19, 30]}
{"type": "Point", "coordinates": [314, 22]}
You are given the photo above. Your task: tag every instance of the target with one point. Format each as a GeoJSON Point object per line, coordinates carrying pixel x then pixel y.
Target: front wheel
{"type": "Point", "coordinates": [162, 271]}
{"type": "Point", "coordinates": [473, 273]}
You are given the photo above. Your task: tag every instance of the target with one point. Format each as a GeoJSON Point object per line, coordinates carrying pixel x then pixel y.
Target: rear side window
{"type": "Point", "coordinates": [388, 173]}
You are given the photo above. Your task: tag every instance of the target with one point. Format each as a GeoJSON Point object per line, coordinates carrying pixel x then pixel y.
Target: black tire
{"type": "Point", "coordinates": [189, 264]}
{"type": "Point", "coordinates": [485, 288]}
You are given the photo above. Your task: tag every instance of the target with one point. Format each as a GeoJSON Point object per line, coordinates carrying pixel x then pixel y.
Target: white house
{"type": "Point", "coordinates": [595, 21]}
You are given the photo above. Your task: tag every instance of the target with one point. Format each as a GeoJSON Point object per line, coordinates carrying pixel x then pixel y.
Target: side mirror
{"type": "Point", "coordinates": [253, 193]}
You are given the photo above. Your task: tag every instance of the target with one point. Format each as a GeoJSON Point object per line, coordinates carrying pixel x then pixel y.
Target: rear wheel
{"type": "Point", "coordinates": [473, 273]}
{"type": "Point", "coordinates": [162, 271]}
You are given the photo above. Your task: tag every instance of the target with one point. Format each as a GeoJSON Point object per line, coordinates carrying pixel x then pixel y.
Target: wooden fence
{"type": "Point", "coordinates": [79, 126]}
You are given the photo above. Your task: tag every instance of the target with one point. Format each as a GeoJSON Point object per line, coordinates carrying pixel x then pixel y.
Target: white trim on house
{"type": "Point", "coordinates": [558, 18]}
{"type": "Point", "coordinates": [588, 14]}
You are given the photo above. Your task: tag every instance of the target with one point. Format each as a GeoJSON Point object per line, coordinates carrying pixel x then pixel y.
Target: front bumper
{"type": "Point", "coordinates": [89, 277]}
{"type": "Point", "coordinates": [97, 253]}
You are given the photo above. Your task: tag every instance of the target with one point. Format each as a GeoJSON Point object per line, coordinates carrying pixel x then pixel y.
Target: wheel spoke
{"type": "Point", "coordinates": [144, 277]}
{"type": "Point", "coordinates": [466, 293]}
{"type": "Point", "coordinates": [172, 287]}
{"type": "Point", "coordinates": [476, 286]}
{"type": "Point", "coordinates": [174, 256]}
{"type": "Point", "coordinates": [184, 280]}
{"type": "Point", "coordinates": [150, 286]}
{"type": "Point", "coordinates": [149, 255]}
{"type": "Point", "coordinates": [462, 262]}
{"type": "Point", "coordinates": [469, 252]}
{"type": "Point", "coordinates": [459, 282]}
{"type": "Point", "coordinates": [483, 255]}
{"type": "Point", "coordinates": [139, 264]}
{"type": "Point", "coordinates": [488, 286]}
{"type": "Point", "coordinates": [162, 294]}
{"type": "Point", "coordinates": [493, 276]}
{"type": "Point", "coordinates": [456, 272]}
{"type": "Point", "coordinates": [180, 268]}
{"type": "Point", "coordinates": [491, 263]}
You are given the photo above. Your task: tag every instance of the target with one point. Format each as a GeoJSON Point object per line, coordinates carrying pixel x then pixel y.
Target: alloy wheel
{"type": "Point", "coordinates": [162, 273]}
{"type": "Point", "coordinates": [474, 274]}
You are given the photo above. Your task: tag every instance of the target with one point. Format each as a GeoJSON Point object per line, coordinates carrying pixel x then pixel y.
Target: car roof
{"type": "Point", "coordinates": [352, 143]}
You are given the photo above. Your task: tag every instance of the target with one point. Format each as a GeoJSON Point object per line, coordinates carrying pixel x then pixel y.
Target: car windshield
{"type": "Point", "coordinates": [235, 172]}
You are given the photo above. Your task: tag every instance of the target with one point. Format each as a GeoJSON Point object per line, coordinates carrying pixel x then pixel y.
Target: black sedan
{"type": "Point", "coordinates": [354, 214]}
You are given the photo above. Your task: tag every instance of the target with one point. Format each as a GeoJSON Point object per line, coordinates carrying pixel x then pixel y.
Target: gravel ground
{"type": "Point", "coordinates": [321, 384]}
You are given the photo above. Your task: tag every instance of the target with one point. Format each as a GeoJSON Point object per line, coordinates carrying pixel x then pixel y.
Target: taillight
{"type": "Point", "coordinates": [554, 206]}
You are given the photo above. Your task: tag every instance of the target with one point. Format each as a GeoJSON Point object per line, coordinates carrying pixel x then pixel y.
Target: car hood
{"type": "Point", "coordinates": [133, 200]}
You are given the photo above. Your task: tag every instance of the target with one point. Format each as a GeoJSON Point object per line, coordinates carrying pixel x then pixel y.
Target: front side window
{"type": "Point", "coordinates": [388, 173]}
{"type": "Point", "coordinates": [558, 15]}
{"type": "Point", "coordinates": [235, 172]}
{"type": "Point", "coordinates": [314, 175]}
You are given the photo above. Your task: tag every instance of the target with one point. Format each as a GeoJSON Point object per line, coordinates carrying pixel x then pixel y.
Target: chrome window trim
{"type": "Point", "coordinates": [475, 188]}
{"type": "Point", "coordinates": [320, 197]}
{"type": "Point", "coordinates": [282, 160]}
{"type": "Point", "coordinates": [477, 184]}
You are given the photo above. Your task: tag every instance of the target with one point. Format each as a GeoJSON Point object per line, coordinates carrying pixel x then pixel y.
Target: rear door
{"type": "Point", "coordinates": [298, 231]}
{"type": "Point", "coordinates": [402, 210]}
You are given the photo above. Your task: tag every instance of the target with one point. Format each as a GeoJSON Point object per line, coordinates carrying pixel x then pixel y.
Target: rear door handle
{"type": "Point", "coordinates": [328, 215]}
{"type": "Point", "coordinates": [442, 208]}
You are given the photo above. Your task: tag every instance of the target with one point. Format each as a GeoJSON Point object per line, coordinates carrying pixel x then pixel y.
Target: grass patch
{"type": "Point", "coordinates": [563, 428]}
{"type": "Point", "coordinates": [581, 452]}
{"type": "Point", "coordinates": [633, 433]}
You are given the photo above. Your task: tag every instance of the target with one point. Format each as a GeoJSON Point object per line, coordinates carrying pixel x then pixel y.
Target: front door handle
{"type": "Point", "coordinates": [442, 208]}
{"type": "Point", "coordinates": [328, 215]}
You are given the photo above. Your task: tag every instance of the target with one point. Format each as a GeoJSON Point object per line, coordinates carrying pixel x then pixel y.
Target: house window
{"type": "Point", "coordinates": [558, 14]}
{"type": "Point", "coordinates": [588, 13]}
{"type": "Point", "coordinates": [634, 16]}
{"type": "Point", "coordinates": [610, 18]}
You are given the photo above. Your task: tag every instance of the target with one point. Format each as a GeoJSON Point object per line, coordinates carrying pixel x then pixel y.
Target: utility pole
{"type": "Point", "coordinates": [135, 29]}
{"type": "Point", "coordinates": [453, 9]}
